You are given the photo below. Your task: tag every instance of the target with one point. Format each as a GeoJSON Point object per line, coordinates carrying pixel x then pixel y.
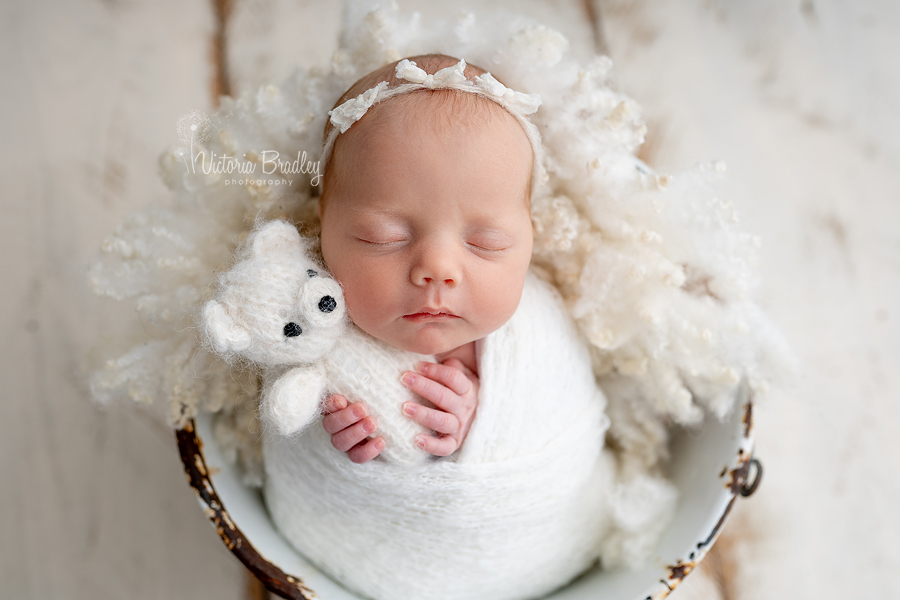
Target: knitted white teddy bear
{"type": "Point", "coordinates": [279, 310]}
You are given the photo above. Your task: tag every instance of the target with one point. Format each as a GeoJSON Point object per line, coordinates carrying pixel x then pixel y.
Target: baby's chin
{"type": "Point", "coordinates": [433, 348]}
{"type": "Point", "coordinates": [428, 342]}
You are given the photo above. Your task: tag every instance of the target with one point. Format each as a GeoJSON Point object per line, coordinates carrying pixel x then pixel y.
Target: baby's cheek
{"type": "Point", "coordinates": [369, 293]}
{"type": "Point", "coordinates": [498, 300]}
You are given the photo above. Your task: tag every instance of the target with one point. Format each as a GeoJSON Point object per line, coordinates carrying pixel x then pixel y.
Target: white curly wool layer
{"type": "Point", "coordinates": [520, 510]}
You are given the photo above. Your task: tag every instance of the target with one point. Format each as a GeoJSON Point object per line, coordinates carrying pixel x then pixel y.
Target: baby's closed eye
{"type": "Point", "coordinates": [381, 242]}
{"type": "Point", "coordinates": [489, 242]}
{"type": "Point", "coordinates": [381, 235]}
{"type": "Point", "coordinates": [486, 248]}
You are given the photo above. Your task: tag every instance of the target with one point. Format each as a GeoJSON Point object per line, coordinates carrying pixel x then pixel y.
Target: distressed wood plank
{"type": "Point", "coordinates": [800, 101]}
{"type": "Point", "coordinates": [95, 504]}
{"type": "Point", "coordinates": [796, 100]}
{"type": "Point", "coordinates": [266, 39]}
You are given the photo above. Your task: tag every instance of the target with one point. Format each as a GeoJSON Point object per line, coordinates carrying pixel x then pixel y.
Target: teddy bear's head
{"type": "Point", "coordinates": [275, 306]}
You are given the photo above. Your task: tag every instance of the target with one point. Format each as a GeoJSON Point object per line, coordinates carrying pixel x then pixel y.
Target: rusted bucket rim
{"type": "Point", "coordinates": [288, 586]}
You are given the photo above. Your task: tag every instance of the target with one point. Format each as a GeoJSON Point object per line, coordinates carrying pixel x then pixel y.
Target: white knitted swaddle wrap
{"type": "Point", "coordinates": [519, 511]}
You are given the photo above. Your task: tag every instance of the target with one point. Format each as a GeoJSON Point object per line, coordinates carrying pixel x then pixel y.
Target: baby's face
{"type": "Point", "coordinates": [429, 230]}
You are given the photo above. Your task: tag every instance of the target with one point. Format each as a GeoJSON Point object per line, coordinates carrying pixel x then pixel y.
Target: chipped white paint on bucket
{"type": "Point", "coordinates": [709, 467]}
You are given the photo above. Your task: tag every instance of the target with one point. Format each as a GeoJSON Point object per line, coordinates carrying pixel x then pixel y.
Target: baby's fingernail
{"type": "Point", "coordinates": [409, 408]}
{"type": "Point", "coordinates": [379, 444]}
{"type": "Point", "coordinates": [368, 425]}
{"type": "Point", "coordinates": [420, 442]}
{"type": "Point", "coordinates": [407, 379]}
{"type": "Point", "coordinates": [359, 411]}
{"type": "Point", "coordinates": [422, 367]}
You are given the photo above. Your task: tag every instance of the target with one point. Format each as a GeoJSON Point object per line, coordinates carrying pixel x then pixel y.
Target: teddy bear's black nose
{"type": "Point", "coordinates": [292, 330]}
{"type": "Point", "coordinates": [327, 304]}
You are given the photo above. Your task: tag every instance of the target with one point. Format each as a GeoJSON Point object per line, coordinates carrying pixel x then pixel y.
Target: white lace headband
{"type": "Point", "coordinates": [518, 104]}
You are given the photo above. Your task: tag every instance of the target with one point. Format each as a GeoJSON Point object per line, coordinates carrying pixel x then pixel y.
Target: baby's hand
{"type": "Point", "coordinates": [350, 427]}
{"type": "Point", "coordinates": [453, 389]}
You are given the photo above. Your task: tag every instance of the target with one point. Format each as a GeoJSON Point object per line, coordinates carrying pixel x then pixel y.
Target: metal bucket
{"type": "Point", "coordinates": [709, 466]}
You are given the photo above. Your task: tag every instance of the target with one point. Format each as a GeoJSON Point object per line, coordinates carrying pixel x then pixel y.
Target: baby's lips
{"type": "Point", "coordinates": [430, 317]}
{"type": "Point", "coordinates": [322, 302]}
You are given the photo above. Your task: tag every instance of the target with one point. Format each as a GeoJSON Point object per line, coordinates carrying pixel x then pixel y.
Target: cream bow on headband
{"type": "Point", "coordinates": [518, 104]}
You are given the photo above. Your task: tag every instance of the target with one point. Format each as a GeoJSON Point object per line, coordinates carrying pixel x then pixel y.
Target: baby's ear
{"type": "Point", "coordinates": [220, 329]}
{"type": "Point", "coordinates": [274, 238]}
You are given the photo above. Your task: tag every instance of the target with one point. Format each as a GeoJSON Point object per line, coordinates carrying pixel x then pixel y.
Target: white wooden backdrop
{"type": "Point", "coordinates": [798, 97]}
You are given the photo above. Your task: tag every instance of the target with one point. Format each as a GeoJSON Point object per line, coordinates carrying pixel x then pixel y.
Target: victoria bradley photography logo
{"type": "Point", "coordinates": [195, 127]}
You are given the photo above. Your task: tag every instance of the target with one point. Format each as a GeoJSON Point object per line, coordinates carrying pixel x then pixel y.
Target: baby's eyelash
{"type": "Point", "coordinates": [380, 243]}
{"type": "Point", "coordinates": [483, 249]}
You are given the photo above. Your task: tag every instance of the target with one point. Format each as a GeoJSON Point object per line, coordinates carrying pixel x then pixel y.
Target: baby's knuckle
{"type": "Point", "coordinates": [439, 421]}
{"type": "Point", "coordinates": [339, 421]}
{"type": "Point", "coordinates": [433, 419]}
{"type": "Point", "coordinates": [450, 423]}
{"type": "Point", "coordinates": [460, 381]}
{"type": "Point", "coordinates": [446, 450]}
{"type": "Point", "coordinates": [445, 396]}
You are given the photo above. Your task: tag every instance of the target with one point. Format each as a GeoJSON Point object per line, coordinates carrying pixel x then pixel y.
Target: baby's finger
{"type": "Point", "coordinates": [439, 446]}
{"type": "Point", "coordinates": [333, 403]}
{"type": "Point", "coordinates": [448, 374]}
{"type": "Point", "coordinates": [344, 418]}
{"type": "Point", "coordinates": [349, 437]}
{"type": "Point", "coordinates": [458, 364]}
{"type": "Point", "coordinates": [438, 420]}
{"type": "Point", "coordinates": [366, 450]}
{"type": "Point", "coordinates": [437, 393]}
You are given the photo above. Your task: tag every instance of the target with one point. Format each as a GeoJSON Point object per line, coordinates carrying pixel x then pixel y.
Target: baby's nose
{"type": "Point", "coordinates": [436, 267]}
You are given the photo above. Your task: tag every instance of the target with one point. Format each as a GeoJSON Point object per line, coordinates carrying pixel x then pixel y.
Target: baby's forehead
{"type": "Point", "coordinates": [369, 123]}
{"type": "Point", "coordinates": [437, 114]}
{"type": "Point", "coordinates": [441, 109]}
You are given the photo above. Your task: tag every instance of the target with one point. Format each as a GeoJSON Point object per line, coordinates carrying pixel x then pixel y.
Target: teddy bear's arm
{"type": "Point", "coordinates": [292, 401]}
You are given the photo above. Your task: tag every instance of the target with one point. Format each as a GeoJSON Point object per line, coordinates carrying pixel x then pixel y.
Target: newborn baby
{"type": "Point", "coordinates": [426, 225]}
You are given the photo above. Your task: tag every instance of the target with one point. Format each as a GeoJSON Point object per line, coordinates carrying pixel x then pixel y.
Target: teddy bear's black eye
{"type": "Point", "coordinates": [292, 330]}
{"type": "Point", "coordinates": [327, 304]}
{"type": "Point", "coordinates": [311, 273]}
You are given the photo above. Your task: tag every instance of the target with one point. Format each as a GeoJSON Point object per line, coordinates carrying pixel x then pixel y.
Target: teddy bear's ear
{"type": "Point", "coordinates": [275, 237]}
{"type": "Point", "coordinates": [220, 329]}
